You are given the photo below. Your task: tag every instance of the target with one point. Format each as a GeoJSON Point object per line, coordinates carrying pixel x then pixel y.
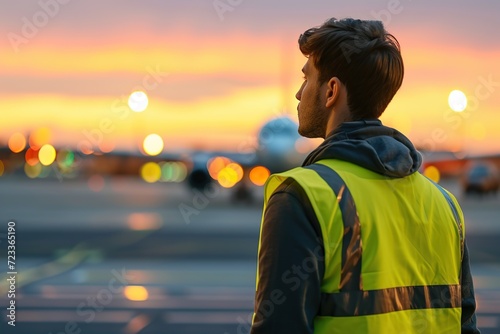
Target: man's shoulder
{"type": "Point", "coordinates": [292, 187]}
{"type": "Point", "coordinates": [293, 202]}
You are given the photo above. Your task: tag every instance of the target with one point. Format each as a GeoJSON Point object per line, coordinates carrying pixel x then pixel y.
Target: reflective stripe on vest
{"type": "Point", "coordinates": [360, 303]}
{"type": "Point", "coordinates": [350, 276]}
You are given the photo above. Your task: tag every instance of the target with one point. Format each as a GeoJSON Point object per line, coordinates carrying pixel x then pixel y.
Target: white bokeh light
{"type": "Point", "coordinates": [138, 101]}
{"type": "Point", "coordinates": [153, 144]}
{"type": "Point", "coordinates": [457, 101]}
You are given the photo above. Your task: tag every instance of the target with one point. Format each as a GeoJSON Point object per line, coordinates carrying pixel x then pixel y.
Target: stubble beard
{"type": "Point", "coordinates": [315, 124]}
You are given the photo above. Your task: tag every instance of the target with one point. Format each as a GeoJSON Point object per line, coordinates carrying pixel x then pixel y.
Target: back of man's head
{"type": "Point", "coordinates": [363, 56]}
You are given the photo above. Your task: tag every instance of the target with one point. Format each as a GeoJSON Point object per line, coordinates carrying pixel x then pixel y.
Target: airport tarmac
{"type": "Point", "coordinates": [192, 253]}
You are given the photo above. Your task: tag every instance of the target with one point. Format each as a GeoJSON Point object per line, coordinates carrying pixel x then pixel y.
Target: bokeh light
{"type": "Point", "coordinates": [151, 172]}
{"type": "Point", "coordinates": [173, 171]}
{"type": "Point", "coordinates": [138, 101]}
{"type": "Point", "coordinates": [32, 157]}
{"type": "Point", "coordinates": [86, 149]}
{"type": "Point", "coordinates": [17, 142]}
{"type": "Point", "coordinates": [230, 175]}
{"type": "Point", "coordinates": [32, 171]}
{"type": "Point", "coordinates": [215, 165]}
{"type": "Point", "coordinates": [457, 101]}
{"type": "Point", "coordinates": [144, 221]}
{"type": "Point", "coordinates": [259, 175]}
{"type": "Point", "coordinates": [136, 293]}
{"type": "Point", "coordinates": [65, 158]}
{"type": "Point", "coordinates": [40, 137]}
{"type": "Point", "coordinates": [107, 146]}
{"type": "Point", "coordinates": [47, 154]}
{"type": "Point", "coordinates": [432, 173]}
{"type": "Point", "coordinates": [2, 168]}
{"type": "Point", "coordinates": [153, 144]}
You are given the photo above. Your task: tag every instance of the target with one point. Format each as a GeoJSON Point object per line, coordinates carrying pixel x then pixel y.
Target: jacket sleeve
{"type": "Point", "coordinates": [469, 323]}
{"type": "Point", "coordinates": [290, 265]}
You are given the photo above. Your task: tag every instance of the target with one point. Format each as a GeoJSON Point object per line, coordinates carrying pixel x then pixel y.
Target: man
{"type": "Point", "coordinates": [357, 240]}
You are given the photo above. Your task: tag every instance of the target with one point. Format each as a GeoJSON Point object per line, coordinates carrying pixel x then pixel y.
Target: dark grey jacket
{"type": "Point", "coordinates": [291, 257]}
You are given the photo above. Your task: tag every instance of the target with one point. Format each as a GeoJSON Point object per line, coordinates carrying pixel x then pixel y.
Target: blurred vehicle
{"type": "Point", "coordinates": [481, 177]}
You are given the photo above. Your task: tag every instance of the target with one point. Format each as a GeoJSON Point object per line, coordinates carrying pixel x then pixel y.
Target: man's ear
{"type": "Point", "coordinates": [333, 88]}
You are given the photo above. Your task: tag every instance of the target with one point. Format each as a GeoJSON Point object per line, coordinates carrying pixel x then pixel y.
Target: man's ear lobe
{"type": "Point", "coordinates": [332, 91]}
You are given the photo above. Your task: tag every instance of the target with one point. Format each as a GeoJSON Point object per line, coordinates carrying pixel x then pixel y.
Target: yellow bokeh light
{"type": "Point", "coordinates": [40, 137]}
{"type": "Point", "coordinates": [457, 101]}
{"type": "Point", "coordinates": [259, 175]}
{"type": "Point", "coordinates": [138, 101]}
{"type": "Point", "coordinates": [432, 173]}
{"type": "Point", "coordinates": [2, 168]}
{"type": "Point", "coordinates": [32, 171]}
{"type": "Point", "coordinates": [151, 172]}
{"type": "Point", "coordinates": [17, 142]}
{"type": "Point", "coordinates": [136, 293]}
{"type": "Point", "coordinates": [230, 175]}
{"type": "Point", "coordinates": [227, 177]}
{"type": "Point", "coordinates": [153, 144]}
{"type": "Point", "coordinates": [47, 155]}
{"type": "Point", "coordinates": [238, 169]}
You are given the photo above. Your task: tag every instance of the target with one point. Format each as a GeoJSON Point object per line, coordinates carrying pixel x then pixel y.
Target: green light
{"type": "Point", "coordinates": [173, 172]}
{"type": "Point", "coordinates": [65, 159]}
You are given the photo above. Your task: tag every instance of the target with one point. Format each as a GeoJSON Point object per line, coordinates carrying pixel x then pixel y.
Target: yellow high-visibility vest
{"type": "Point", "coordinates": [393, 250]}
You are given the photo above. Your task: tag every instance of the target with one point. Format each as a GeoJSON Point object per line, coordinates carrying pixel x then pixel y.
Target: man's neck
{"type": "Point", "coordinates": [337, 117]}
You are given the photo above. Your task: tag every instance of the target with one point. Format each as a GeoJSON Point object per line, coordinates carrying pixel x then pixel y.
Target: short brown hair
{"type": "Point", "coordinates": [363, 56]}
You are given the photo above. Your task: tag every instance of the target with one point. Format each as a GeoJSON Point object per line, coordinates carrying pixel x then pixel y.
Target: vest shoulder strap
{"type": "Point", "coordinates": [350, 278]}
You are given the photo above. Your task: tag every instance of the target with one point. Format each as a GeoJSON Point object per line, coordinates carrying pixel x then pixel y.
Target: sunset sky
{"type": "Point", "coordinates": [214, 76]}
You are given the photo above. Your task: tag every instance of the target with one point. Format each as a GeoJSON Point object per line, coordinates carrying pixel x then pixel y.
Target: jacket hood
{"type": "Point", "coordinates": [371, 145]}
